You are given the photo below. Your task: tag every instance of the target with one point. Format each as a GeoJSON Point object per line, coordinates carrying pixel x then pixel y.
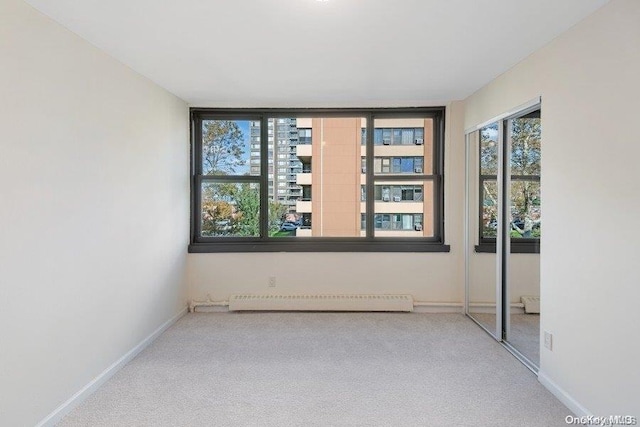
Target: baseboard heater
{"type": "Point", "coordinates": [531, 304]}
{"type": "Point", "coordinates": [321, 302]}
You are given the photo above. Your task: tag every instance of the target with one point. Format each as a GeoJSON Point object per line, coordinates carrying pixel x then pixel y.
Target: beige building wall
{"type": "Point", "coordinates": [335, 188]}
{"type": "Point", "coordinates": [335, 152]}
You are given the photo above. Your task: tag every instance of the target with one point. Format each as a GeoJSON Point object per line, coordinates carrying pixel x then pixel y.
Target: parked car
{"type": "Point", "coordinates": [288, 226]}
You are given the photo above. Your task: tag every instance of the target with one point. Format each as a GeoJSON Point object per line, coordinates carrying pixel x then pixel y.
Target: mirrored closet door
{"type": "Point", "coordinates": [503, 229]}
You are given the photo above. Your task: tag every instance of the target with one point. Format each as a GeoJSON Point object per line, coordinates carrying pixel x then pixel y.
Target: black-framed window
{"type": "Point", "coordinates": [395, 136]}
{"type": "Point", "coordinates": [523, 139]}
{"type": "Point", "coordinates": [395, 193]}
{"type": "Point", "coordinates": [240, 203]}
{"type": "Point", "coordinates": [396, 221]}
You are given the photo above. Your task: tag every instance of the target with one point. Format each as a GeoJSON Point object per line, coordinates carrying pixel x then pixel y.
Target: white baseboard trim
{"type": "Point", "coordinates": [56, 416]}
{"type": "Point", "coordinates": [563, 396]}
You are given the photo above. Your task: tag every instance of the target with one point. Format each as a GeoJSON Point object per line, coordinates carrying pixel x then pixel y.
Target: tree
{"type": "Point", "coordinates": [525, 146]}
{"type": "Point", "coordinates": [247, 210]}
{"type": "Point", "coordinates": [234, 209]}
{"type": "Point", "coordinates": [217, 217]}
{"type": "Point", "coordinates": [525, 160]}
{"type": "Point", "coordinates": [222, 147]}
{"type": "Point", "coordinates": [277, 211]}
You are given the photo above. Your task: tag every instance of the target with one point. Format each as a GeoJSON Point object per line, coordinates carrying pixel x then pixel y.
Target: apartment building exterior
{"type": "Point", "coordinates": [333, 177]}
{"type": "Point", "coordinates": [282, 159]}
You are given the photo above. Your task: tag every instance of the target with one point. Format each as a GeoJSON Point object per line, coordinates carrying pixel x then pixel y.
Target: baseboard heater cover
{"type": "Point", "coordinates": [531, 304]}
{"type": "Point", "coordinates": [321, 302]}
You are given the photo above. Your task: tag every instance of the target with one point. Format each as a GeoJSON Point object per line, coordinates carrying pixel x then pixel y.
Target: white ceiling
{"type": "Point", "coordinates": [306, 53]}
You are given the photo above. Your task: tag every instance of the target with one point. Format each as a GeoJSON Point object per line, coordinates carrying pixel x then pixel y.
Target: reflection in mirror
{"type": "Point", "coordinates": [523, 333]}
{"type": "Point", "coordinates": [514, 195]}
{"type": "Point", "coordinates": [482, 164]}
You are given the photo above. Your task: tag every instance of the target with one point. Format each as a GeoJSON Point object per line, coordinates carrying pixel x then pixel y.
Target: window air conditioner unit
{"type": "Point", "coordinates": [364, 170]}
{"type": "Point", "coordinates": [418, 170]}
{"type": "Point", "coordinates": [385, 198]}
{"type": "Point", "coordinates": [418, 227]}
{"type": "Point", "coordinates": [419, 141]}
{"type": "Point", "coordinates": [396, 198]}
{"type": "Point", "coordinates": [386, 142]}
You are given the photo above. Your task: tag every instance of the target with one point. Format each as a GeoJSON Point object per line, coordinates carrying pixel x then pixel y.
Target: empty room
{"type": "Point", "coordinates": [319, 212]}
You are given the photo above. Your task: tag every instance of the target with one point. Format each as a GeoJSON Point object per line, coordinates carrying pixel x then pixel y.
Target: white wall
{"type": "Point", "coordinates": [589, 82]}
{"type": "Point", "coordinates": [432, 277]}
{"type": "Point", "coordinates": [93, 212]}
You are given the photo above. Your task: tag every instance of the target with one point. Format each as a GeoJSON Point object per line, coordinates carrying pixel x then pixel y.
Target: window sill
{"type": "Point", "coordinates": [516, 247]}
{"type": "Point", "coordinates": [319, 245]}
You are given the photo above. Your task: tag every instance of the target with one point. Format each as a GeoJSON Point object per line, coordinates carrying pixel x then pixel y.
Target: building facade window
{"type": "Point", "coordinates": [329, 191]}
{"type": "Point", "coordinates": [304, 136]}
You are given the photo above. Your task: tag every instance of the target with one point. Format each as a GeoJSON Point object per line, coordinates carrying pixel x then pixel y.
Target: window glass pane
{"type": "Point", "coordinates": [525, 144]}
{"type": "Point", "coordinates": [407, 136]}
{"type": "Point", "coordinates": [525, 209]}
{"type": "Point", "coordinates": [386, 196]}
{"type": "Point", "coordinates": [397, 165]}
{"type": "Point", "coordinates": [407, 222]}
{"type": "Point", "coordinates": [326, 198]}
{"type": "Point", "coordinates": [386, 136]}
{"type": "Point", "coordinates": [397, 137]}
{"type": "Point", "coordinates": [411, 141]}
{"type": "Point", "coordinates": [377, 193]}
{"type": "Point", "coordinates": [406, 205]}
{"type": "Point", "coordinates": [407, 165]}
{"type": "Point", "coordinates": [377, 136]}
{"type": "Point", "coordinates": [385, 165]}
{"type": "Point", "coordinates": [419, 165]}
{"type": "Point", "coordinates": [396, 193]}
{"type": "Point", "coordinates": [396, 222]}
{"type": "Point", "coordinates": [489, 150]}
{"type": "Point", "coordinates": [304, 136]}
{"type": "Point", "coordinates": [227, 148]}
{"type": "Point", "coordinates": [230, 209]}
{"type": "Point", "coordinates": [417, 195]}
{"type": "Point", "coordinates": [407, 193]}
{"type": "Point", "coordinates": [314, 182]}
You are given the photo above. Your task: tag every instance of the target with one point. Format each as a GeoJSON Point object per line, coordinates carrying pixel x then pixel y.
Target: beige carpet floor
{"type": "Point", "coordinates": [322, 369]}
{"type": "Point", "coordinates": [525, 333]}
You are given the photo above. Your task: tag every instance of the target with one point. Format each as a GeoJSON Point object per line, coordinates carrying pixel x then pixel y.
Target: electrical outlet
{"type": "Point", "coordinates": [272, 281]}
{"type": "Point", "coordinates": [548, 340]}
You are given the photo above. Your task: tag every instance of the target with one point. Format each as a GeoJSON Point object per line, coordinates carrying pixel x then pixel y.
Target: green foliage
{"type": "Point", "coordinates": [525, 146]}
{"type": "Point", "coordinates": [489, 150]}
{"type": "Point", "coordinates": [222, 147]}
{"type": "Point", "coordinates": [233, 209]}
{"type": "Point", "coordinates": [277, 211]}
{"type": "Point", "coordinates": [247, 217]}
{"type": "Point", "coordinates": [216, 217]}
{"type": "Point", "coordinates": [525, 137]}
